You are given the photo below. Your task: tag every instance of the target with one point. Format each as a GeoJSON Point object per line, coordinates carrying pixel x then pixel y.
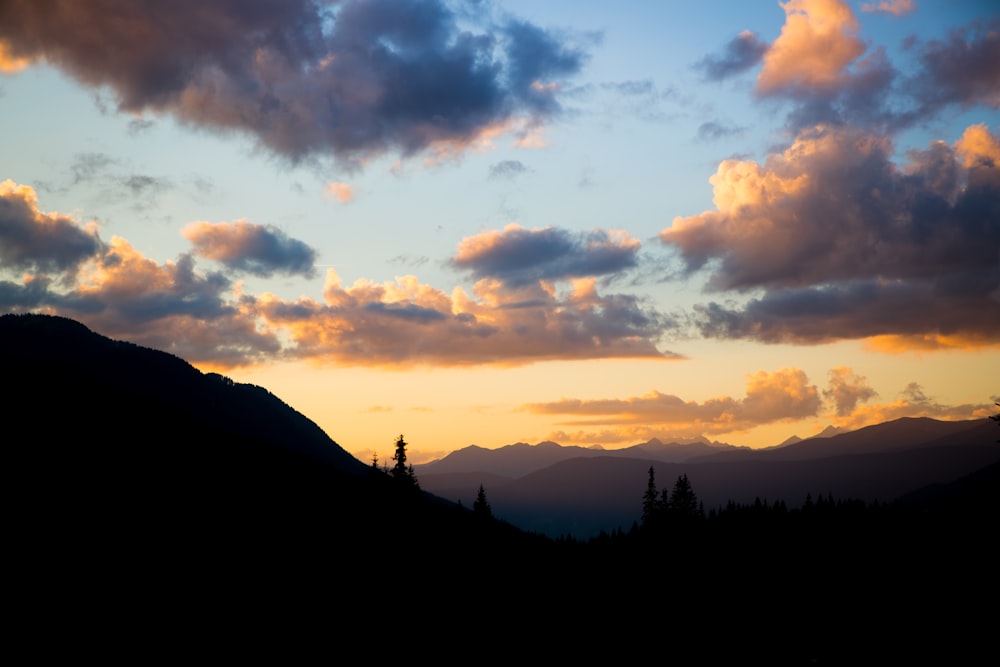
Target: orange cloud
{"type": "Point", "coordinates": [407, 323]}
{"type": "Point", "coordinates": [912, 403]}
{"type": "Point", "coordinates": [817, 43]}
{"type": "Point", "coordinates": [930, 342]}
{"type": "Point", "coordinates": [342, 192]}
{"type": "Point", "coordinates": [10, 63]}
{"type": "Point", "coordinates": [770, 397]}
{"type": "Point", "coordinates": [978, 147]}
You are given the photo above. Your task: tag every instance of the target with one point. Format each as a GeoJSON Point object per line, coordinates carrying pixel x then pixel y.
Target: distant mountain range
{"type": "Point", "coordinates": [567, 490]}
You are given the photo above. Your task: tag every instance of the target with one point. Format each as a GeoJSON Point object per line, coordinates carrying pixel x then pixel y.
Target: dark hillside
{"type": "Point", "coordinates": [112, 447]}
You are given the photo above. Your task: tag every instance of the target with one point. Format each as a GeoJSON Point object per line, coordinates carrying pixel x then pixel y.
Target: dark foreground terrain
{"type": "Point", "coordinates": [155, 511]}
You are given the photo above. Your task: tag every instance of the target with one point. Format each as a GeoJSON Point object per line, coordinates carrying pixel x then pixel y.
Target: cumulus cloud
{"type": "Point", "coordinates": [519, 256]}
{"type": "Point", "coordinates": [822, 66]}
{"type": "Point", "coordinates": [743, 52]}
{"type": "Point", "coordinates": [847, 389]}
{"type": "Point", "coordinates": [407, 323]}
{"type": "Point", "coordinates": [206, 318]}
{"type": "Point", "coordinates": [33, 240]}
{"type": "Point", "coordinates": [306, 78]}
{"type": "Point", "coordinates": [785, 394]}
{"type": "Point", "coordinates": [846, 244]}
{"type": "Point", "coordinates": [817, 43]}
{"type": "Point", "coordinates": [171, 307]}
{"type": "Point", "coordinates": [261, 250]}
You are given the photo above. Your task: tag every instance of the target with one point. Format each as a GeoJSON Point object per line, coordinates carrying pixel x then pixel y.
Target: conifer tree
{"type": "Point", "coordinates": [400, 471]}
{"type": "Point", "coordinates": [649, 499]}
{"type": "Point", "coordinates": [481, 506]}
{"type": "Point", "coordinates": [683, 501]}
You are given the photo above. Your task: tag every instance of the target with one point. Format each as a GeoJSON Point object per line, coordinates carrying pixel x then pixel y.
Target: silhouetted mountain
{"type": "Point", "coordinates": [521, 458]}
{"type": "Point", "coordinates": [587, 494]}
{"type": "Point", "coordinates": [114, 445]}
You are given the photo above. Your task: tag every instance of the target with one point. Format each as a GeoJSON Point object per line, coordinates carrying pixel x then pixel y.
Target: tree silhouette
{"type": "Point", "coordinates": [683, 500]}
{"type": "Point", "coordinates": [481, 506]}
{"type": "Point", "coordinates": [650, 502]}
{"type": "Point", "coordinates": [400, 471]}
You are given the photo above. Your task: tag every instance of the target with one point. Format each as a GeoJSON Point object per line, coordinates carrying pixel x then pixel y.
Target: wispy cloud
{"type": "Point", "coordinates": [785, 395]}
{"type": "Point", "coordinates": [894, 7]}
{"type": "Point", "coordinates": [782, 395]}
{"type": "Point", "coordinates": [743, 52]}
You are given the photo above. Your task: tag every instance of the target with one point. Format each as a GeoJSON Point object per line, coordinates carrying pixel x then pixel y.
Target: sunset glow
{"type": "Point", "coordinates": [522, 221]}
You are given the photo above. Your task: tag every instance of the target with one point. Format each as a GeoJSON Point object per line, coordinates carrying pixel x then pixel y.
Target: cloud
{"type": "Point", "coordinates": [508, 169]}
{"type": "Point", "coordinates": [306, 79]}
{"type": "Point", "coordinates": [962, 70]}
{"type": "Point", "coordinates": [912, 402]}
{"type": "Point", "coordinates": [519, 256]}
{"type": "Point", "coordinates": [817, 43]}
{"type": "Point", "coordinates": [846, 244]}
{"type": "Point", "coordinates": [342, 192]}
{"type": "Point", "coordinates": [171, 307]}
{"type": "Point", "coordinates": [744, 51]}
{"type": "Point", "coordinates": [261, 250]}
{"type": "Point", "coordinates": [712, 130]}
{"type": "Point", "coordinates": [894, 7]}
{"type": "Point", "coordinates": [407, 323]}
{"type": "Point", "coordinates": [33, 240]}
{"type": "Point", "coordinates": [207, 319]}
{"type": "Point", "coordinates": [847, 389]}
{"type": "Point", "coordinates": [770, 397]}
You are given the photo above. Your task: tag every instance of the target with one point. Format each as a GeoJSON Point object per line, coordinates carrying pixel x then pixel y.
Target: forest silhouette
{"type": "Point", "coordinates": [140, 480]}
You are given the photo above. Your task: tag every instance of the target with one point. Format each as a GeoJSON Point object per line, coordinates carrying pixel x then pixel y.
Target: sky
{"type": "Point", "coordinates": [478, 222]}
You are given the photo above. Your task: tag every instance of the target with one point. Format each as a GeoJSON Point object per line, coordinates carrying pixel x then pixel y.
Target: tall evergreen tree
{"type": "Point", "coordinates": [481, 506]}
{"type": "Point", "coordinates": [400, 470]}
{"type": "Point", "coordinates": [683, 500]}
{"type": "Point", "coordinates": [649, 499]}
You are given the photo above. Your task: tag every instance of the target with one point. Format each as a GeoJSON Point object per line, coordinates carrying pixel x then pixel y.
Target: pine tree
{"type": "Point", "coordinates": [683, 501]}
{"type": "Point", "coordinates": [481, 506]}
{"type": "Point", "coordinates": [400, 471]}
{"type": "Point", "coordinates": [649, 499]}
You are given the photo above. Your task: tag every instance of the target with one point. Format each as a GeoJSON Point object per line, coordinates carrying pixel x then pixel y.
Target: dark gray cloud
{"type": "Point", "coordinates": [33, 240]}
{"type": "Point", "coordinates": [519, 256]}
{"type": "Point", "coordinates": [929, 312]}
{"type": "Point", "coordinates": [741, 53]}
{"type": "Point", "coordinates": [261, 250]}
{"type": "Point", "coordinates": [306, 78]}
{"type": "Point", "coordinates": [960, 71]}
